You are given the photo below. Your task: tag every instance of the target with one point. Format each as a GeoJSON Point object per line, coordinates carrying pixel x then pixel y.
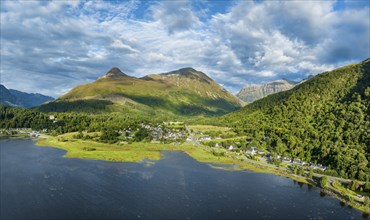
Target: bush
{"type": "Point", "coordinates": [324, 182]}
{"type": "Point", "coordinates": [218, 154]}
{"type": "Point", "coordinates": [300, 171]}
{"type": "Point", "coordinates": [367, 186]}
{"type": "Point", "coordinates": [62, 139]}
{"type": "Point", "coordinates": [331, 172]}
{"type": "Point", "coordinates": [88, 149]}
{"type": "Point", "coordinates": [367, 201]}
{"type": "Point", "coordinates": [354, 185]}
{"type": "Point", "coordinates": [310, 173]}
{"type": "Point", "coordinates": [78, 136]}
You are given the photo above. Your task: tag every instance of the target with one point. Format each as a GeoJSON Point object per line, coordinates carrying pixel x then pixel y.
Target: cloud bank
{"type": "Point", "coordinates": [50, 47]}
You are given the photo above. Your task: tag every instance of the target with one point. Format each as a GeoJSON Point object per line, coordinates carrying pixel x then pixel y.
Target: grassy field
{"type": "Point", "coordinates": [139, 151]}
{"type": "Point", "coordinates": [204, 128]}
{"type": "Point", "coordinates": [136, 152]}
{"type": "Point", "coordinates": [211, 130]}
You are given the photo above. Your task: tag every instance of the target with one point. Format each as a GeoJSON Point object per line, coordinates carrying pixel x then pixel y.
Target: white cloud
{"type": "Point", "coordinates": [51, 46]}
{"type": "Point", "coordinates": [174, 15]}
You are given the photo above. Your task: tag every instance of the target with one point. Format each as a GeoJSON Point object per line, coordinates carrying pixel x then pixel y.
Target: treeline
{"type": "Point", "coordinates": [325, 120]}
{"type": "Point", "coordinates": [11, 117]}
{"type": "Point", "coordinates": [87, 106]}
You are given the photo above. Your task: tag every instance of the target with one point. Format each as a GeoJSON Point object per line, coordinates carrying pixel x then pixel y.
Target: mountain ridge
{"type": "Point", "coordinates": [17, 98]}
{"type": "Point", "coordinates": [254, 92]}
{"type": "Point", "coordinates": [185, 91]}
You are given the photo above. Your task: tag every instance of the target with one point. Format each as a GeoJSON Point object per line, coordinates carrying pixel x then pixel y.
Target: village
{"type": "Point", "coordinates": [159, 133]}
{"type": "Point", "coordinates": [175, 133]}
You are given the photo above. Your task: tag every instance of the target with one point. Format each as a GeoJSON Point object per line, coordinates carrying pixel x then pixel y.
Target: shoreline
{"type": "Point", "coordinates": [138, 152]}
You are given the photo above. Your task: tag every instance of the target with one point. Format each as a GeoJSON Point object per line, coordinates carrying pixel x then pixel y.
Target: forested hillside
{"type": "Point", "coordinates": [325, 120]}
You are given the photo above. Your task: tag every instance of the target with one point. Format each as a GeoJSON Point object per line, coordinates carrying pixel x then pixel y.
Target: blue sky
{"type": "Point", "coordinates": [52, 46]}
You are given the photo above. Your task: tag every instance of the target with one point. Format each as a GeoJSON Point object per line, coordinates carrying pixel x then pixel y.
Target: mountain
{"type": "Point", "coordinates": [252, 93]}
{"type": "Point", "coordinates": [182, 92]}
{"type": "Point", "coordinates": [325, 119]}
{"type": "Point", "coordinates": [6, 97]}
{"type": "Point", "coordinates": [21, 99]}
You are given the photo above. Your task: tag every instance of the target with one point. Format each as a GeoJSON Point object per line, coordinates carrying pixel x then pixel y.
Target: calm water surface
{"type": "Point", "coordinates": [38, 183]}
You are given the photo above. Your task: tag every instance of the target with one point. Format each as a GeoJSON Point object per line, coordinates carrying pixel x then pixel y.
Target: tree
{"type": "Point", "coordinates": [324, 182]}
{"type": "Point", "coordinates": [354, 185]}
{"type": "Point", "coordinates": [310, 173]}
{"type": "Point", "coordinates": [142, 134]}
{"type": "Point", "coordinates": [109, 135]}
{"type": "Point", "coordinates": [295, 169]}
{"type": "Point", "coordinates": [367, 186]}
{"type": "Point", "coordinates": [366, 201]}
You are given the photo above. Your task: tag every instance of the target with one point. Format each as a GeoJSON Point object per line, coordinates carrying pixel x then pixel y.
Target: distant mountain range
{"type": "Point", "coordinates": [182, 92]}
{"type": "Point", "coordinates": [252, 93]}
{"type": "Point", "coordinates": [21, 99]}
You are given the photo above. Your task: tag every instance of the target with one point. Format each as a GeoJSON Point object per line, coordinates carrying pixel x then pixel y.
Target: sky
{"type": "Point", "coordinates": [49, 47]}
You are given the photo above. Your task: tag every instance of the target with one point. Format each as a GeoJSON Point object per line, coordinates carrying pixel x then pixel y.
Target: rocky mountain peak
{"type": "Point", "coordinates": [114, 72]}
{"type": "Point", "coordinates": [252, 93]}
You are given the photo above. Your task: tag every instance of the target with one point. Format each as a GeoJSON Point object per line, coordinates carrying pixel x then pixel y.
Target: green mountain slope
{"type": "Point", "coordinates": [182, 92]}
{"type": "Point", "coordinates": [324, 120]}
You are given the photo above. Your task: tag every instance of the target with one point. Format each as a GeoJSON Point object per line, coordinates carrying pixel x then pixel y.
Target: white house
{"type": "Point", "coordinates": [205, 138]}
{"type": "Point", "coordinates": [231, 147]}
{"type": "Point", "coordinates": [252, 151]}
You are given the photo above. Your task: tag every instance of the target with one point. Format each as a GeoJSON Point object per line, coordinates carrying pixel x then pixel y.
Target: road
{"type": "Point", "coordinates": [194, 140]}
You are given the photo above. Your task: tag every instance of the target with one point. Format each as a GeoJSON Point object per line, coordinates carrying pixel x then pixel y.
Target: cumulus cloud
{"type": "Point", "coordinates": [290, 37]}
{"type": "Point", "coordinates": [175, 15]}
{"type": "Point", "coordinates": [53, 46]}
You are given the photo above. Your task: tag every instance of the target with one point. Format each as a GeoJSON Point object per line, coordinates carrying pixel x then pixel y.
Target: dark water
{"type": "Point", "coordinates": [37, 183]}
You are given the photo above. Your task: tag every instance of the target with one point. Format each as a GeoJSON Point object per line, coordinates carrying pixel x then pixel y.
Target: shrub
{"type": "Point", "coordinates": [218, 154]}
{"type": "Point", "coordinates": [324, 182]}
{"type": "Point", "coordinates": [88, 149]}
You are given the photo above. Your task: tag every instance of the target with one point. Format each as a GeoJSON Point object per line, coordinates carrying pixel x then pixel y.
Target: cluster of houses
{"type": "Point", "coordinates": [253, 151]}
{"type": "Point", "coordinates": [298, 162]}
{"type": "Point", "coordinates": [23, 131]}
{"type": "Point", "coordinates": [317, 166]}
{"type": "Point", "coordinates": [53, 118]}
{"type": "Point", "coordinates": [206, 137]}
{"type": "Point", "coordinates": [157, 132]}
{"type": "Point", "coordinates": [8, 132]}
{"type": "Point", "coordinates": [127, 132]}
{"type": "Point", "coordinates": [160, 132]}
{"type": "Point", "coordinates": [34, 134]}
